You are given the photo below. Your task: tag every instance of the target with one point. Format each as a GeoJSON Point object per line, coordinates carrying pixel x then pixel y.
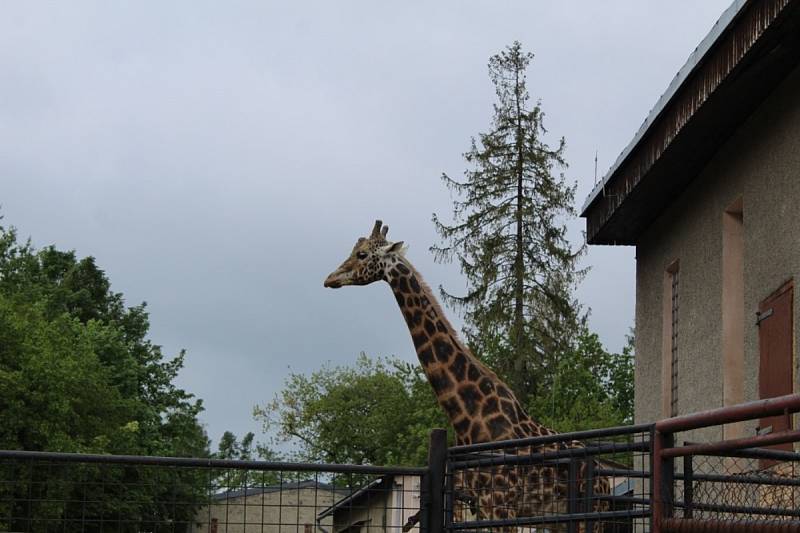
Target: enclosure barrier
{"type": "Point", "coordinates": [624, 479]}
{"type": "Point", "coordinates": [42, 492]}
{"type": "Point", "coordinates": [727, 485]}
{"type": "Point", "coordinates": [582, 481]}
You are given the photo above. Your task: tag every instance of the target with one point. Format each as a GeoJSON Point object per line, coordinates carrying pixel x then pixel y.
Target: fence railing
{"type": "Point", "coordinates": [42, 492]}
{"type": "Point", "coordinates": [582, 481]}
{"type": "Point", "coordinates": [733, 484]}
{"type": "Point", "coordinates": [615, 480]}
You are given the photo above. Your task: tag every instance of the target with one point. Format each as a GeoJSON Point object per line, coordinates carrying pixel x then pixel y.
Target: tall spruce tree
{"type": "Point", "coordinates": [509, 238]}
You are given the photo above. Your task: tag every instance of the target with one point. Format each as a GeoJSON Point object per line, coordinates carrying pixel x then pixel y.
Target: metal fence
{"type": "Point", "coordinates": [43, 492]}
{"type": "Point", "coordinates": [733, 484]}
{"type": "Point", "coordinates": [625, 479]}
{"type": "Point", "coordinates": [746, 486]}
{"type": "Point", "coordinates": [583, 481]}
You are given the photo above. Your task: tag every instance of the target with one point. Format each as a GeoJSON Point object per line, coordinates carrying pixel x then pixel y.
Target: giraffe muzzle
{"type": "Point", "coordinates": [333, 281]}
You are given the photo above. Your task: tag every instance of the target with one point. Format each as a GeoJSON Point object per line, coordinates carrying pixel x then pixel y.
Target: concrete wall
{"type": "Point", "coordinates": [760, 164]}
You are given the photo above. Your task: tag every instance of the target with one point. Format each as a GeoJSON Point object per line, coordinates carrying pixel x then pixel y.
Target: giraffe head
{"type": "Point", "coordinates": [369, 261]}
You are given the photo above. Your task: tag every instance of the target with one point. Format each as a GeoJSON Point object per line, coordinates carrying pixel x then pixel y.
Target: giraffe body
{"type": "Point", "coordinates": [479, 405]}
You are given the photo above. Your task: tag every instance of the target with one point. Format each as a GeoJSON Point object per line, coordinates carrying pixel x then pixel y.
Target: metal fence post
{"type": "Point", "coordinates": [572, 493]}
{"type": "Point", "coordinates": [589, 493]}
{"type": "Point", "coordinates": [433, 517]}
{"type": "Point", "coordinates": [662, 480]}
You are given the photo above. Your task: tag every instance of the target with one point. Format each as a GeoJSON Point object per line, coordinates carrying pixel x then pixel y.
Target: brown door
{"type": "Point", "coordinates": [775, 339]}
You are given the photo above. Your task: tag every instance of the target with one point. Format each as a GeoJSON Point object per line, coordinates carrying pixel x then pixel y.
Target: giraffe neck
{"type": "Point", "coordinates": [480, 407]}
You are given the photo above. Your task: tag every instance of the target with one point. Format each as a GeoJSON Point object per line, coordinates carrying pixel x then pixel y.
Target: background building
{"type": "Point", "coordinates": [385, 505]}
{"type": "Point", "coordinates": [283, 508]}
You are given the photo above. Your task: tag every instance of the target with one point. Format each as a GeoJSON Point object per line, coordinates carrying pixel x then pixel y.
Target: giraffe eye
{"type": "Point", "coordinates": [361, 255]}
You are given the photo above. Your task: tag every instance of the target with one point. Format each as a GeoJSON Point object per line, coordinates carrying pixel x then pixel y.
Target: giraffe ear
{"type": "Point", "coordinates": [395, 248]}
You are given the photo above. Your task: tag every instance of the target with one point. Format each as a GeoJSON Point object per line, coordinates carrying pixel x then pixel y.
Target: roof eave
{"type": "Point", "coordinates": [740, 65]}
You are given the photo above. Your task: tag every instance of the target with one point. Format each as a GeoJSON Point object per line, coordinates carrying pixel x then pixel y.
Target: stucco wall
{"type": "Point", "coordinates": [760, 164]}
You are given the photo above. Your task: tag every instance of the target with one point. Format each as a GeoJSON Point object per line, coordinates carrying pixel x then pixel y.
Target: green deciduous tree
{"type": "Point", "coordinates": [592, 388]}
{"type": "Point", "coordinates": [86, 376]}
{"type": "Point", "coordinates": [509, 237]}
{"type": "Point", "coordinates": [78, 374]}
{"type": "Point", "coordinates": [378, 411]}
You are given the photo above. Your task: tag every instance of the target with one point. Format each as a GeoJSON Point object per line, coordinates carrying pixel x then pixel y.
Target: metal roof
{"type": "Point", "coordinates": [254, 491]}
{"type": "Point", "coordinates": [752, 48]}
{"type": "Point", "coordinates": [383, 483]}
{"type": "Point", "coordinates": [677, 82]}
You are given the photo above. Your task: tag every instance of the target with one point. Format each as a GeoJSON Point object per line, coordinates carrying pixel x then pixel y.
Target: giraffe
{"type": "Point", "coordinates": [478, 404]}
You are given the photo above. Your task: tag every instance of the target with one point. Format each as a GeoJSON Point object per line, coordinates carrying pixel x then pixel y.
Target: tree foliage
{"type": "Point", "coordinates": [78, 373]}
{"type": "Point", "coordinates": [230, 447]}
{"type": "Point", "coordinates": [378, 411]}
{"type": "Point", "coordinates": [509, 238]}
{"type": "Point", "coordinates": [592, 388]}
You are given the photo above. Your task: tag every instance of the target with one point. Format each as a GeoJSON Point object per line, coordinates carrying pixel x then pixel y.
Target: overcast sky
{"type": "Point", "coordinates": [219, 159]}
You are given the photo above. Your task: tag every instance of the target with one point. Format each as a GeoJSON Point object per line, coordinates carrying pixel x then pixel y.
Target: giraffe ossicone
{"type": "Point", "coordinates": [478, 404]}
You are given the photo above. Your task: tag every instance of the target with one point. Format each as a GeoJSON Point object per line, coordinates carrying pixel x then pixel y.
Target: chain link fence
{"type": "Point", "coordinates": [744, 483]}
{"type": "Point", "coordinates": [751, 486]}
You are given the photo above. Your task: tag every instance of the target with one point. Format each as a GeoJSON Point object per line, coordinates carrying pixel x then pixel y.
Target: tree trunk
{"type": "Point", "coordinates": [519, 265]}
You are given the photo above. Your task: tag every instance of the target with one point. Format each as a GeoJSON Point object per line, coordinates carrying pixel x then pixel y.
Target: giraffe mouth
{"type": "Point", "coordinates": [334, 280]}
{"type": "Point", "coordinates": [332, 284]}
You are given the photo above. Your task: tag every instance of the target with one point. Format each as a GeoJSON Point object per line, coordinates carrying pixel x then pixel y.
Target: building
{"type": "Point", "coordinates": [708, 191]}
{"type": "Point", "coordinates": [283, 508]}
{"type": "Point", "coordinates": [385, 505]}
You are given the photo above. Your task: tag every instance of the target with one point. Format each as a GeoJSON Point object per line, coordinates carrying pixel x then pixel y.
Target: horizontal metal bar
{"type": "Point", "coordinates": [107, 521]}
{"type": "Point", "coordinates": [551, 456]}
{"type": "Point", "coordinates": [697, 525]}
{"type": "Point", "coordinates": [516, 451]}
{"type": "Point", "coordinates": [553, 519]}
{"type": "Point", "coordinates": [733, 413]}
{"type": "Point", "coordinates": [759, 453]}
{"type": "Point", "coordinates": [745, 480]}
{"type": "Point", "coordinates": [208, 463]}
{"type": "Point", "coordinates": [557, 437]}
{"type": "Point", "coordinates": [740, 509]}
{"type": "Point", "coordinates": [635, 500]}
{"type": "Point", "coordinates": [621, 472]}
{"type": "Point", "coordinates": [792, 435]}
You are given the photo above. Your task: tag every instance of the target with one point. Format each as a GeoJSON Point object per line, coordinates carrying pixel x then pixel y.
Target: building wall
{"type": "Point", "coordinates": [286, 511]}
{"type": "Point", "coordinates": [760, 164]}
{"type": "Point", "coordinates": [405, 501]}
{"type": "Point", "coordinates": [372, 512]}
{"type": "Point", "coordinates": [383, 510]}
